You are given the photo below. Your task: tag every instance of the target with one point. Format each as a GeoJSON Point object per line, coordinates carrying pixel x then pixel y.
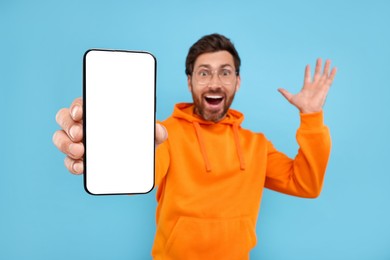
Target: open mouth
{"type": "Point", "coordinates": [214, 100]}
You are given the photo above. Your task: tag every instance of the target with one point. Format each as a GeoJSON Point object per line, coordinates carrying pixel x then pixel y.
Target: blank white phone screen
{"type": "Point", "coordinates": [119, 121]}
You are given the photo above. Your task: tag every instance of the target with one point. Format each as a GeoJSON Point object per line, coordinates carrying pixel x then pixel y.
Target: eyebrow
{"type": "Point", "coordinates": [209, 67]}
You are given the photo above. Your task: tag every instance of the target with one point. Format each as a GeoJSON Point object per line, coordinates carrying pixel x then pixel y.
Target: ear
{"type": "Point", "coordinates": [189, 84]}
{"type": "Point", "coordinates": [238, 83]}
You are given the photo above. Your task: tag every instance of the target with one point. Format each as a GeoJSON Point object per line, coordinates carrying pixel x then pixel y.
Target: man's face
{"type": "Point", "coordinates": [211, 85]}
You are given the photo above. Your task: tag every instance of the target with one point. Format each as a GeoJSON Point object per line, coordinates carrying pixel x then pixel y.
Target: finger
{"type": "Point", "coordinates": [331, 77]}
{"type": "Point", "coordinates": [76, 109]}
{"type": "Point", "coordinates": [325, 84]}
{"type": "Point", "coordinates": [161, 134]}
{"type": "Point", "coordinates": [62, 141]}
{"type": "Point", "coordinates": [73, 129]}
{"type": "Point", "coordinates": [74, 166]}
{"type": "Point", "coordinates": [326, 68]}
{"type": "Point", "coordinates": [307, 75]}
{"type": "Point", "coordinates": [286, 94]}
{"type": "Point", "coordinates": [317, 72]}
{"type": "Point", "coordinates": [333, 74]}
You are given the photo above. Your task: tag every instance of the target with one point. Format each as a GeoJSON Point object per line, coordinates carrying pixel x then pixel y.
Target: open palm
{"type": "Point", "coordinates": [313, 94]}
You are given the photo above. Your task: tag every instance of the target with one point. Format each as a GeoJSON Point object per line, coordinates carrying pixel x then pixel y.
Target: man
{"type": "Point", "coordinates": [210, 172]}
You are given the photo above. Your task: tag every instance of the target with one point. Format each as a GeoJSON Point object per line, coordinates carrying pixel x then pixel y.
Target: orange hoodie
{"type": "Point", "coordinates": [210, 178]}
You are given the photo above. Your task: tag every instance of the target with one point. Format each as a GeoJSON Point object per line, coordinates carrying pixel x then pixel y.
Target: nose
{"type": "Point", "coordinates": [215, 80]}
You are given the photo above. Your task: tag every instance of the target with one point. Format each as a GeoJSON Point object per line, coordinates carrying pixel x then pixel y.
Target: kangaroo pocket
{"type": "Point", "coordinates": [195, 238]}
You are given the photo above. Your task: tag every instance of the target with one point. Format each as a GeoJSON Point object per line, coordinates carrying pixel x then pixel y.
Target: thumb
{"type": "Point", "coordinates": [285, 94]}
{"type": "Point", "coordinates": [161, 134]}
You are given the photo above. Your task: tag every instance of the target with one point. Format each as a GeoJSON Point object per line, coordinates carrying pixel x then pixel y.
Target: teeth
{"type": "Point", "coordinates": [214, 97]}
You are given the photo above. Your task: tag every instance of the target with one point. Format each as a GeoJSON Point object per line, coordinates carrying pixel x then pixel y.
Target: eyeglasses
{"type": "Point", "coordinates": [226, 75]}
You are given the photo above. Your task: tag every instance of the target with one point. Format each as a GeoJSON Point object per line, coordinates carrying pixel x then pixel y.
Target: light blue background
{"type": "Point", "coordinates": [46, 214]}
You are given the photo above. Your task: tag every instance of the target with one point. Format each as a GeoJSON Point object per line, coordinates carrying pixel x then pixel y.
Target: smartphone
{"type": "Point", "coordinates": [119, 98]}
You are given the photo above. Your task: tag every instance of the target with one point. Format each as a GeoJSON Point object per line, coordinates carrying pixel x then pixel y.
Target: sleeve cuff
{"type": "Point", "coordinates": [312, 120]}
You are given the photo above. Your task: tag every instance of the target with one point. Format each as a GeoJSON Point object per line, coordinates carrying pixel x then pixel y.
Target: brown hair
{"type": "Point", "coordinates": [211, 43]}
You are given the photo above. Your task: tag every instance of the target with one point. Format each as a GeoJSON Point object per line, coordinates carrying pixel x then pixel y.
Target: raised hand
{"type": "Point", "coordinates": [313, 94]}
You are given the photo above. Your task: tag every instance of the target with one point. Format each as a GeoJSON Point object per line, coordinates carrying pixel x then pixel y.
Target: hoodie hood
{"type": "Point", "coordinates": [233, 119]}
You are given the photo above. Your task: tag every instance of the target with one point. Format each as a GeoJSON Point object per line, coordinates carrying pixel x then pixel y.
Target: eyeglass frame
{"type": "Point", "coordinates": [219, 70]}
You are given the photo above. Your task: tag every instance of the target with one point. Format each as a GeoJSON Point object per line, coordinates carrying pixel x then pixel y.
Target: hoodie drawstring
{"type": "Point", "coordinates": [238, 146]}
{"type": "Point", "coordinates": [203, 148]}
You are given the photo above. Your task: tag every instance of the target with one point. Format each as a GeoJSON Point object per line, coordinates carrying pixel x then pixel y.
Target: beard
{"type": "Point", "coordinates": [212, 109]}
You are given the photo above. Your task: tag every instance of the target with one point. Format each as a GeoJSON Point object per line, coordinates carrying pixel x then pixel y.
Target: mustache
{"type": "Point", "coordinates": [215, 92]}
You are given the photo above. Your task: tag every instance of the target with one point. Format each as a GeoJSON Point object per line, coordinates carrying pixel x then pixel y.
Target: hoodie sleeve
{"type": "Point", "coordinates": [304, 175]}
{"type": "Point", "coordinates": [162, 160]}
